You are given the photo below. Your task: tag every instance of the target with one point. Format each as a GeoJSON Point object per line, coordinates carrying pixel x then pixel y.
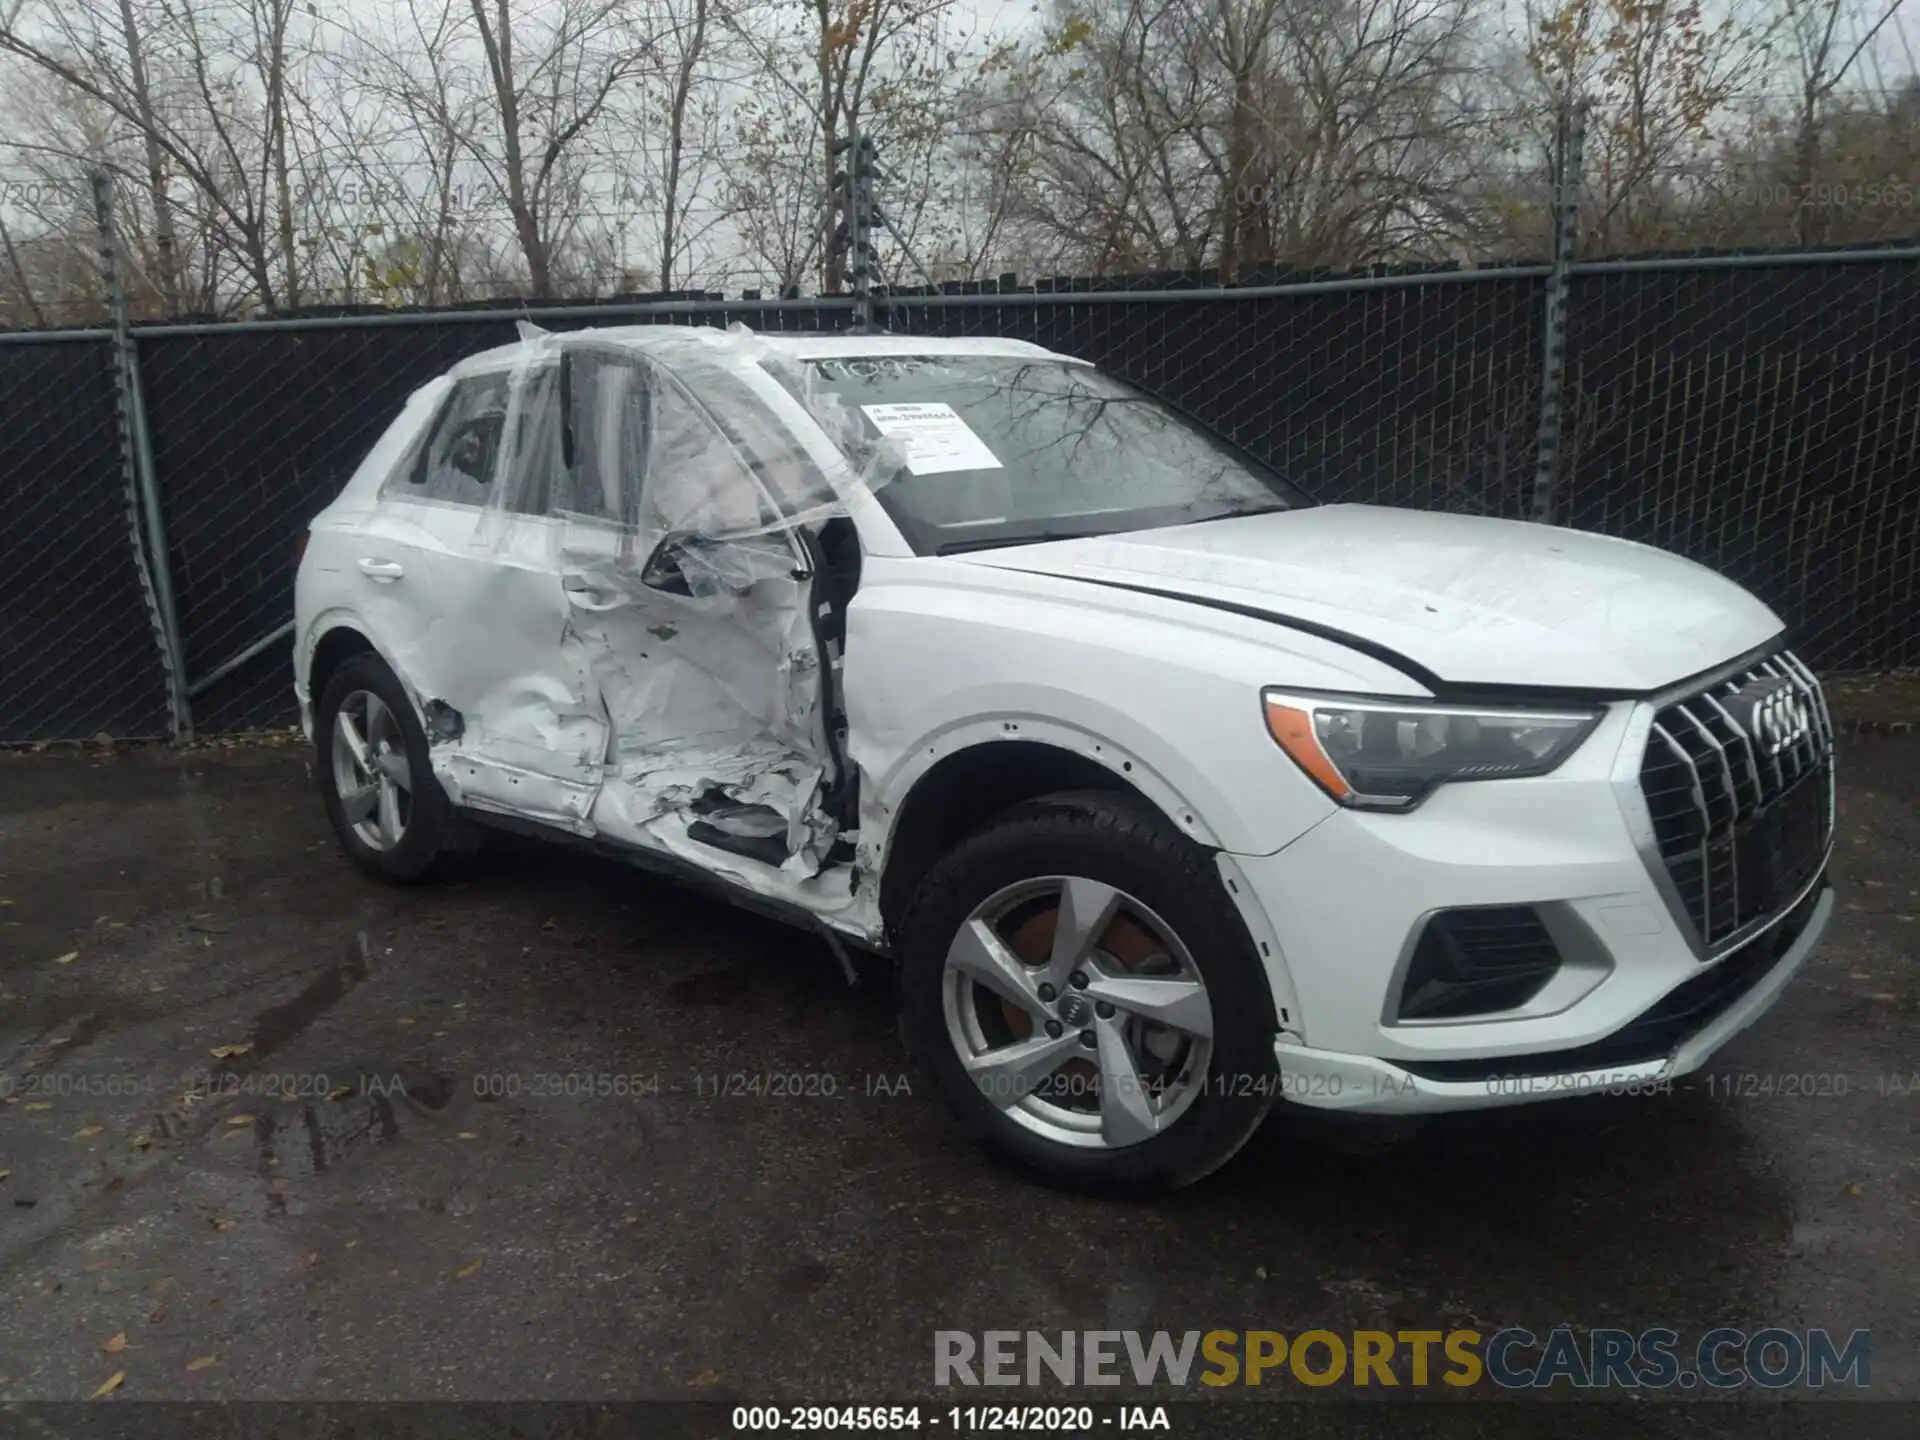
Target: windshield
{"type": "Point", "coordinates": [1004, 450]}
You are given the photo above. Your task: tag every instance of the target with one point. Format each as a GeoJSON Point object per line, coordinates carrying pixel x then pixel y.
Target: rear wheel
{"type": "Point", "coordinates": [376, 777]}
{"type": "Point", "coordinates": [1078, 985]}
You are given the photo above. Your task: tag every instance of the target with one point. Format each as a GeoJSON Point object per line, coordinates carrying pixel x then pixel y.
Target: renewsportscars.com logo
{"type": "Point", "coordinates": [1772, 1358]}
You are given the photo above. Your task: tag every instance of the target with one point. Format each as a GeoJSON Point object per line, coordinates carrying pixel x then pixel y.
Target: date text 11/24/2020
{"type": "Point", "coordinates": [959, 1419]}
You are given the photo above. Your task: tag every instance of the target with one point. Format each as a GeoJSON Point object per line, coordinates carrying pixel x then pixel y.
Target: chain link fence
{"type": "Point", "coordinates": [1762, 416]}
{"type": "Point", "coordinates": [77, 653]}
{"type": "Point", "coordinates": [1757, 413]}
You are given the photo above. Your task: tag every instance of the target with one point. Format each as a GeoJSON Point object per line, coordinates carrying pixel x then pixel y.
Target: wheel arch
{"type": "Point", "coordinates": [338, 643]}
{"type": "Point", "coordinates": [334, 637]}
{"type": "Point", "coordinates": [954, 788]}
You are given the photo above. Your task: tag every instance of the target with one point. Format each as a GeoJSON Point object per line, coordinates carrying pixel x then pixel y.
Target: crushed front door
{"type": "Point", "coordinates": [690, 598]}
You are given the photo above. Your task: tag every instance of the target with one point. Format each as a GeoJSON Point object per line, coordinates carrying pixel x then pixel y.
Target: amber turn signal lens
{"type": "Point", "coordinates": [1292, 730]}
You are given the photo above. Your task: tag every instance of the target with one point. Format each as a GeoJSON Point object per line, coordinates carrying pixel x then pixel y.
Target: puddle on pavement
{"type": "Point", "coordinates": [339, 1109]}
{"type": "Point", "coordinates": [368, 1106]}
{"type": "Point", "coordinates": [273, 1027]}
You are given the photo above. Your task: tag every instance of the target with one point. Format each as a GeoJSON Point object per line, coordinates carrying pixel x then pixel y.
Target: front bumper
{"type": "Point", "coordinates": [1328, 1080]}
{"type": "Point", "coordinates": [1634, 1003]}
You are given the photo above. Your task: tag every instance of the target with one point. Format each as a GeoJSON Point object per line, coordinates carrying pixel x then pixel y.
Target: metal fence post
{"type": "Point", "coordinates": [146, 525]}
{"type": "Point", "coordinates": [1569, 143]}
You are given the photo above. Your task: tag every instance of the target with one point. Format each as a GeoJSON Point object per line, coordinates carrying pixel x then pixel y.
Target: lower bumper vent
{"type": "Point", "coordinates": [1477, 961]}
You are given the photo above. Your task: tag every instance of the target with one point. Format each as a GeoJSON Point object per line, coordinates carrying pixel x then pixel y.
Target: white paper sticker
{"type": "Point", "coordinates": [933, 438]}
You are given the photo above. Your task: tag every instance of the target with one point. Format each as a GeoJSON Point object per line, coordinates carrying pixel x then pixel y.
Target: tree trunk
{"type": "Point", "coordinates": [277, 130]}
{"type": "Point", "coordinates": [526, 223]}
{"type": "Point", "coordinates": [677, 140]}
{"type": "Point", "coordinates": [166, 261]}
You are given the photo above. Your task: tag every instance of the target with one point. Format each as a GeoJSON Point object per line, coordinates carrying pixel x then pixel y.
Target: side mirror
{"type": "Point", "coordinates": [686, 562]}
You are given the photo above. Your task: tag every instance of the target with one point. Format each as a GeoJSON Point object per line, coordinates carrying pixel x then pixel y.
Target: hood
{"type": "Point", "coordinates": [1467, 600]}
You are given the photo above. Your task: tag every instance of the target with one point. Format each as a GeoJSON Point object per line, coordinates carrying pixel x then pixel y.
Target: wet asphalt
{"type": "Point", "coordinates": [563, 1131]}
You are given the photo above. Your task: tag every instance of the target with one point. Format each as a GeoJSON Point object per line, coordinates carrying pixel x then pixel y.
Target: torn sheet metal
{"type": "Point", "coordinates": [684, 712]}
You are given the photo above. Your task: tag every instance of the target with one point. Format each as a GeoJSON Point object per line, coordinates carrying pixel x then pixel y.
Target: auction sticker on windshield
{"type": "Point", "coordinates": [932, 437]}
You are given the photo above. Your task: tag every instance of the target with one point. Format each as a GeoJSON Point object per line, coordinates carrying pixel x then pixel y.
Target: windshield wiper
{"type": "Point", "coordinates": [955, 547]}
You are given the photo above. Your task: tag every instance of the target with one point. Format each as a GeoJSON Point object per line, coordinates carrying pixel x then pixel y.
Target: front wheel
{"type": "Point", "coordinates": [1077, 983]}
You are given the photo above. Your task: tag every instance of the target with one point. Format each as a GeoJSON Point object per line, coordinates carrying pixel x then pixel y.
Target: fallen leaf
{"type": "Point", "coordinates": [205, 1362]}
{"type": "Point", "coordinates": [142, 1140]}
{"type": "Point", "coordinates": [706, 1378]}
{"type": "Point", "coordinates": [468, 1135]}
{"type": "Point", "coordinates": [223, 1224]}
{"type": "Point", "coordinates": [5, 1173]}
{"type": "Point", "coordinates": [1886, 997]}
{"type": "Point", "coordinates": [116, 1344]}
{"type": "Point", "coordinates": [468, 1269]}
{"type": "Point", "coordinates": [68, 959]}
{"type": "Point", "coordinates": [112, 1383]}
{"type": "Point", "coordinates": [156, 1315]}
{"type": "Point", "coordinates": [105, 1262]}
{"type": "Point", "coordinates": [630, 1219]}
{"type": "Point", "coordinates": [1853, 1187]}
{"type": "Point", "coordinates": [310, 1259]}
{"type": "Point", "coordinates": [228, 1052]}
{"type": "Point", "coordinates": [404, 1020]}
{"type": "Point", "coordinates": [339, 1092]}
{"type": "Point", "coordinates": [39, 1105]}
{"type": "Point", "coordinates": [86, 1132]}
{"type": "Point", "coordinates": [234, 1121]}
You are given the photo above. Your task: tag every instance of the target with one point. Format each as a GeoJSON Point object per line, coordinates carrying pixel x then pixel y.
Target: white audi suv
{"type": "Point", "coordinates": [1169, 791]}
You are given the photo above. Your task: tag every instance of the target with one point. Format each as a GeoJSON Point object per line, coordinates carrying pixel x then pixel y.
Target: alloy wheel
{"type": "Point", "coordinates": [371, 773]}
{"type": "Point", "coordinates": [1078, 1012]}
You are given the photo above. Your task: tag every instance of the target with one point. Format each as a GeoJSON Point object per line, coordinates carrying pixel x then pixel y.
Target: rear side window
{"type": "Point", "coordinates": [457, 462]}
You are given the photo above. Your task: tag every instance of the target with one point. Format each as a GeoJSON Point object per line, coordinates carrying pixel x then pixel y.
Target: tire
{"type": "Point", "coordinates": [1166, 889]}
{"type": "Point", "coordinates": [432, 833]}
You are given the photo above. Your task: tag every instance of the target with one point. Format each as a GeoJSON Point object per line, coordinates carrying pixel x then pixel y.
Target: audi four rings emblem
{"type": "Point", "coordinates": [1773, 712]}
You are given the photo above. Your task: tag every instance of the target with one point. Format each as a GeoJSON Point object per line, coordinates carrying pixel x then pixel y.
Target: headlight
{"type": "Point", "coordinates": [1387, 755]}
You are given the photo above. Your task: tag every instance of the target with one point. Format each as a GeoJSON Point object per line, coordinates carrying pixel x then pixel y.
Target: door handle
{"type": "Point", "coordinates": [381, 570]}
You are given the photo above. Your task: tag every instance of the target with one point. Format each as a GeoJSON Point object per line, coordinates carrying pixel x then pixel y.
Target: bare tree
{"type": "Point", "coordinates": [166, 260]}
{"type": "Point", "coordinates": [544, 102]}
{"type": "Point", "coordinates": [1230, 133]}
{"type": "Point", "coordinates": [1829, 38]}
{"type": "Point", "coordinates": [883, 68]}
{"type": "Point", "coordinates": [1661, 79]}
